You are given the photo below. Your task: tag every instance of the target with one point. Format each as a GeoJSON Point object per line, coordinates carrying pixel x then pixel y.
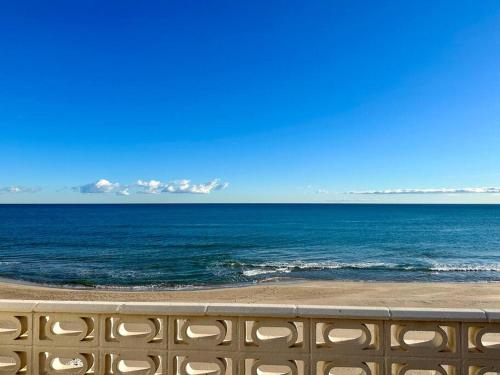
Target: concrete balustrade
{"type": "Point", "coordinates": [80, 338]}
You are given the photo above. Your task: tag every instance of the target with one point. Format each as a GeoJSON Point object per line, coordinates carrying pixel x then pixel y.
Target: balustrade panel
{"type": "Point", "coordinates": [66, 330]}
{"type": "Point", "coordinates": [347, 336]}
{"type": "Point", "coordinates": [426, 339]}
{"type": "Point", "coordinates": [134, 331]}
{"type": "Point", "coordinates": [274, 334]}
{"type": "Point", "coordinates": [203, 333]}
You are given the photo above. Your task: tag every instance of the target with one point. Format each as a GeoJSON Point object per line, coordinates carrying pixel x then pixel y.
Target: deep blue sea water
{"type": "Point", "coordinates": [207, 245]}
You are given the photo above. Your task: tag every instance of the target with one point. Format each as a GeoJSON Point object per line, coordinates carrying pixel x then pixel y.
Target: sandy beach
{"type": "Point", "coordinates": [458, 295]}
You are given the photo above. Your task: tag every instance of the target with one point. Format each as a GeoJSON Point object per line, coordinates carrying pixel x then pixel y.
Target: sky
{"type": "Point", "coordinates": [258, 101]}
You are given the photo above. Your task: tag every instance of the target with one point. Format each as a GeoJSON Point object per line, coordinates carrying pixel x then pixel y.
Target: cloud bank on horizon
{"type": "Point", "coordinates": [185, 186]}
{"type": "Point", "coordinates": [16, 189]}
{"type": "Point", "coordinates": [477, 190]}
{"type": "Point", "coordinates": [180, 186]}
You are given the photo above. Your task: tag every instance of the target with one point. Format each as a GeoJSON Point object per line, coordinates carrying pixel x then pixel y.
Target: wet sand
{"type": "Point", "coordinates": [463, 295]}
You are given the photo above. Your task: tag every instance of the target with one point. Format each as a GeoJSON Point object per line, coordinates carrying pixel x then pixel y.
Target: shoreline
{"type": "Point", "coordinates": [346, 293]}
{"type": "Point", "coordinates": [145, 288]}
{"type": "Point", "coordinates": [278, 281]}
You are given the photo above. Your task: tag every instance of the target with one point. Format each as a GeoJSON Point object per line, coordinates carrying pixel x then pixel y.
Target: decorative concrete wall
{"type": "Point", "coordinates": [80, 338]}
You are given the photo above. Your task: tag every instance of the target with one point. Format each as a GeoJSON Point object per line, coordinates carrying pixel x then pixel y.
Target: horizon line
{"type": "Point", "coordinates": [253, 203]}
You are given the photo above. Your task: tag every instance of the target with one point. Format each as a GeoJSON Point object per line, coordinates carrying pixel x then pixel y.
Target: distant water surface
{"type": "Point", "coordinates": [179, 246]}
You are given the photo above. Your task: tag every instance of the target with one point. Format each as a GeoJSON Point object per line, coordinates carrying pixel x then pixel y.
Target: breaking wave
{"type": "Point", "coordinates": [256, 269]}
{"type": "Point", "coordinates": [495, 267]}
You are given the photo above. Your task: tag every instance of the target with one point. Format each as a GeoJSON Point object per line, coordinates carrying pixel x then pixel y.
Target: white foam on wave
{"type": "Point", "coordinates": [251, 270]}
{"type": "Point", "coordinates": [256, 272]}
{"type": "Point", "coordinates": [322, 265]}
{"type": "Point", "coordinates": [147, 287]}
{"type": "Point", "coordinates": [493, 267]}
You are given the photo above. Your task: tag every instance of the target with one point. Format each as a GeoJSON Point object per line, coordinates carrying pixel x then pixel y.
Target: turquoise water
{"type": "Point", "coordinates": [179, 246]}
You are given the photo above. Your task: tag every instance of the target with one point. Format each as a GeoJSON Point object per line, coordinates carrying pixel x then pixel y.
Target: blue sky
{"type": "Point", "coordinates": [280, 101]}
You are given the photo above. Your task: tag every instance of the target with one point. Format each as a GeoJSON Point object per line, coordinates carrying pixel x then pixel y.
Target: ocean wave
{"type": "Point", "coordinates": [257, 272]}
{"type": "Point", "coordinates": [495, 267]}
{"type": "Point", "coordinates": [257, 269]}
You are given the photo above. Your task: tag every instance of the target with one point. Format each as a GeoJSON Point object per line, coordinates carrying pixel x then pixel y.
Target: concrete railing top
{"type": "Point", "coordinates": [265, 310]}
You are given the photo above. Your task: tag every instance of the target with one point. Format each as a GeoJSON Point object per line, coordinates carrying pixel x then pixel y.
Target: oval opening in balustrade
{"type": "Point", "coordinates": [66, 364]}
{"type": "Point", "coordinates": [203, 368]}
{"type": "Point", "coordinates": [196, 331]}
{"type": "Point", "coordinates": [491, 340]}
{"type": "Point", "coordinates": [7, 362]}
{"type": "Point", "coordinates": [134, 329]}
{"type": "Point", "coordinates": [425, 339]}
{"type": "Point", "coordinates": [273, 333]}
{"type": "Point", "coordinates": [135, 367]}
{"type": "Point", "coordinates": [274, 370]}
{"type": "Point", "coordinates": [338, 335]}
{"type": "Point", "coordinates": [342, 370]}
{"type": "Point", "coordinates": [7, 326]}
{"type": "Point", "coordinates": [73, 328]}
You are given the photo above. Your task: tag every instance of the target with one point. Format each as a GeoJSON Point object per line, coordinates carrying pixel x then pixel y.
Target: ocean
{"type": "Point", "coordinates": [205, 245]}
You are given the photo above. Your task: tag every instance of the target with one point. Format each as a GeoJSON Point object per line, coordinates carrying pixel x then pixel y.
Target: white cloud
{"type": "Point", "coordinates": [103, 186]}
{"type": "Point", "coordinates": [478, 190]}
{"type": "Point", "coordinates": [185, 186]}
{"type": "Point", "coordinates": [15, 189]}
{"type": "Point", "coordinates": [99, 187]}
{"type": "Point", "coordinates": [150, 187]}
{"type": "Point", "coordinates": [322, 191]}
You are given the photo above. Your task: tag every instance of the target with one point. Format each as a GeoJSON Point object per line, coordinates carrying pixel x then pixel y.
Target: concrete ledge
{"type": "Point", "coordinates": [414, 313]}
{"type": "Point", "coordinates": [287, 311]}
{"type": "Point", "coordinates": [343, 312]}
{"type": "Point", "coordinates": [261, 310]}
{"type": "Point", "coordinates": [172, 308]}
{"type": "Point", "coordinates": [17, 306]}
{"type": "Point", "coordinates": [75, 307]}
{"type": "Point", "coordinates": [493, 315]}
